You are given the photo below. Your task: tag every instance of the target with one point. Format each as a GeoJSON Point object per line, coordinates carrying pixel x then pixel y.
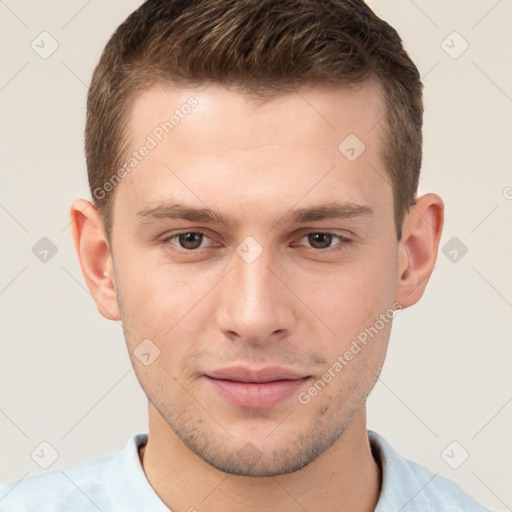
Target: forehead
{"type": "Point", "coordinates": [216, 143]}
{"type": "Point", "coordinates": [310, 111]}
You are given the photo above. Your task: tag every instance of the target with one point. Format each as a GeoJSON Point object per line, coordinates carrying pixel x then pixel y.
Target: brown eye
{"type": "Point", "coordinates": [190, 240]}
{"type": "Point", "coordinates": [320, 240]}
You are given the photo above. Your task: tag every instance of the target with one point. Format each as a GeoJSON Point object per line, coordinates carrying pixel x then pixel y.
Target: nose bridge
{"type": "Point", "coordinates": [254, 304]}
{"type": "Point", "coordinates": [253, 280]}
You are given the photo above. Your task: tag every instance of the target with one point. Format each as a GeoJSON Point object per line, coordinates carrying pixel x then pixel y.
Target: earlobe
{"type": "Point", "coordinates": [93, 252]}
{"type": "Point", "coordinates": [417, 256]}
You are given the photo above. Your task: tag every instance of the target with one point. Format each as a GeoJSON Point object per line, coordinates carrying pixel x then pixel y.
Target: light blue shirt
{"type": "Point", "coordinates": [117, 482]}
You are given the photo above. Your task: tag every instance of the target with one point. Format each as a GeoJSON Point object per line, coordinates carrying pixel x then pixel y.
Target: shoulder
{"type": "Point", "coordinates": [408, 486]}
{"type": "Point", "coordinates": [98, 484]}
{"type": "Point", "coordinates": [55, 490]}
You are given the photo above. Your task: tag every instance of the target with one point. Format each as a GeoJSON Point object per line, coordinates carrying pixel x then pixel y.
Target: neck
{"type": "Point", "coordinates": [344, 478]}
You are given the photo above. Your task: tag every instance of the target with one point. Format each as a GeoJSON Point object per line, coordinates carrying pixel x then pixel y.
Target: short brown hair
{"type": "Point", "coordinates": [262, 47]}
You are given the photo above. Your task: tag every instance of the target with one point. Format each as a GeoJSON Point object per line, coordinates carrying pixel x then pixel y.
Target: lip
{"type": "Point", "coordinates": [256, 388]}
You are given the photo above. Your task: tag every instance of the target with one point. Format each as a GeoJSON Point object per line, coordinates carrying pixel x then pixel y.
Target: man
{"type": "Point", "coordinates": [255, 226]}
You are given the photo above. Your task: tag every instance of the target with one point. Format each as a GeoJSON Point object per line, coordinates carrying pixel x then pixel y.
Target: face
{"type": "Point", "coordinates": [254, 246]}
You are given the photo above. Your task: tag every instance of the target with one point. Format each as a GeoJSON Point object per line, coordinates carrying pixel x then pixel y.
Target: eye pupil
{"type": "Point", "coordinates": [320, 240]}
{"type": "Point", "coordinates": [190, 240]}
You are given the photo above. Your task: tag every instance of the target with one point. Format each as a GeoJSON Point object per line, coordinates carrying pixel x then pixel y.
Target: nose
{"type": "Point", "coordinates": [254, 305]}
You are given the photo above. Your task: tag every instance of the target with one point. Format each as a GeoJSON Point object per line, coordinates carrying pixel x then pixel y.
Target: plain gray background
{"type": "Point", "coordinates": [65, 375]}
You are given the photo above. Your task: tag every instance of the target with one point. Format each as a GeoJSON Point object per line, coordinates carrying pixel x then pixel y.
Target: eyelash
{"type": "Point", "coordinates": [343, 241]}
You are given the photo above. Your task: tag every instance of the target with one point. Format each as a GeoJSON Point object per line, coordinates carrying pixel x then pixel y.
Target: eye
{"type": "Point", "coordinates": [187, 240]}
{"type": "Point", "coordinates": [323, 240]}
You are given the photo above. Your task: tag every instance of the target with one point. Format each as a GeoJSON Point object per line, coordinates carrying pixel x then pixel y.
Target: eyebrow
{"type": "Point", "coordinates": [293, 216]}
{"type": "Point", "coordinates": [326, 211]}
{"type": "Point", "coordinates": [180, 211]}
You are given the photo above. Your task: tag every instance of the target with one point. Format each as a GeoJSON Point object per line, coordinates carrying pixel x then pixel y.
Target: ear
{"type": "Point", "coordinates": [417, 251]}
{"type": "Point", "coordinates": [93, 251]}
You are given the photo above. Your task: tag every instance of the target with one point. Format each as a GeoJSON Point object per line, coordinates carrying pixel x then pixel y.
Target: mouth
{"type": "Point", "coordinates": [256, 389]}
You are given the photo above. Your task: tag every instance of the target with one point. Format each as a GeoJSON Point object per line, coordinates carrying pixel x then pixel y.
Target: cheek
{"type": "Point", "coordinates": [351, 296]}
{"type": "Point", "coordinates": [163, 304]}
{"type": "Point", "coordinates": [158, 291]}
{"type": "Point", "coordinates": [351, 372]}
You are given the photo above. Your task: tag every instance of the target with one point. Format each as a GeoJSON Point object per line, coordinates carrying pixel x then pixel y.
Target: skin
{"type": "Point", "coordinates": [298, 305]}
